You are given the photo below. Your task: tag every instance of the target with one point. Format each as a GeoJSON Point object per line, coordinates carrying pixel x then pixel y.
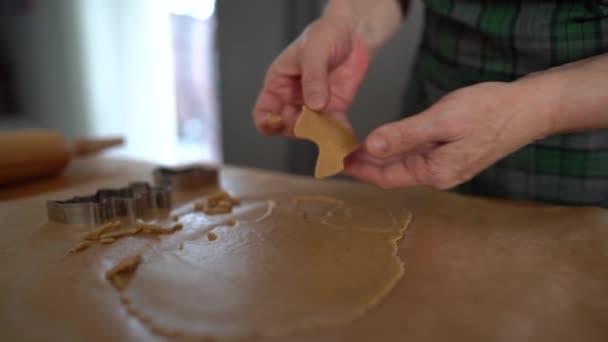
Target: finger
{"type": "Point", "coordinates": [290, 117]}
{"type": "Point", "coordinates": [451, 165]}
{"type": "Point", "coordinates": [387, 175]}
{"type": "Point", "coordinates": [281, 87]}
{"type": "Point", "coordinates": [364, 171]}
{"type": "Point", "coordinates": [405, 135]}
{"type": "Point", "coordinates": [267, 113]}
{"type": "Point", "coordinates": [276, 106]}
{"type": "Point", "coordinates": [315, 58]}
{"type": "Point", "coordinates": [399, 175]}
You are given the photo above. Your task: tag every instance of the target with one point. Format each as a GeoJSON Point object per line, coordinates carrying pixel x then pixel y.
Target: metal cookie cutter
{"type": "Point", "coordinates": [186, 178]}
{"type": "Point", "coordinates": [137, 200]}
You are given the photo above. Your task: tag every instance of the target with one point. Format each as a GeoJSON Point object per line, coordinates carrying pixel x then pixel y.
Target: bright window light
{"type": "Point", "coordinates": [199, 9]}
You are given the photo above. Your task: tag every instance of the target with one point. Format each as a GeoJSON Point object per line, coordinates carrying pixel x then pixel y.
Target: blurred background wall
{"type": "Point", "coordinates": [176, 78]}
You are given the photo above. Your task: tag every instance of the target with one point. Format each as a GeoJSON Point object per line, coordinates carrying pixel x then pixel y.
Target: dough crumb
{"type": "Point", "coordinates": [120, 275]}
{"type": "Point", "coordinates": [273, 122]}
{"type": "Point", "coordinates": [216, 197]}
{"type": "Point", "coordinates": [120, 234]}
{"type": "Point", "coordinates": [81, 246]}
{"type": "Point", "coordinates": [217, 203]}
{"type": "Point", "coordinates": [218, 210]}
{"type": "Point", "coordinates": [177, 227]}
{"type": "Point", "coordinates": [153, 228]}
{"type": "Point", "coordinates": [104, 228]}
{"type": "Point", "coordinates": [211, 236]}
{"type": "Point", "coordinates": [107, 233]}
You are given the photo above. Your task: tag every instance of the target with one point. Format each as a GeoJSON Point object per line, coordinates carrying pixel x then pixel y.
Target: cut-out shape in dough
{"type": "Point", "coordinates": [334, 141]}
{"type": "Point", "coordinates": [269, 277]}
{"type": "Point", "coordinates": [334, 214]}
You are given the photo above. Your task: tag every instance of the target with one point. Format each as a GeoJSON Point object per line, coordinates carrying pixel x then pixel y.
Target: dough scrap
{"type": "Point", "coordinates": [274, 122]}
{"type": "Point", "coordinates": [120, 234]}
{"type": "Point", "coordinates": [217, 203]}
{"type": "Point", "coordinates": [120, 275]}
{"type": "Point", "coordinates": [102, 229]}
{"type": "Point", "coordinates": [270, 277]}
{"type": "Point", "coordinates": [333, 140]}
{"type": "Point", "coordinates": [81, 246]}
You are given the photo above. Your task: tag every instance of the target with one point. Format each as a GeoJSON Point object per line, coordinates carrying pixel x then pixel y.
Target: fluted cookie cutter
{"type": "Point", "coordinates": [190, 177]}
{"type": "Point", "coordinates": [137, 200]}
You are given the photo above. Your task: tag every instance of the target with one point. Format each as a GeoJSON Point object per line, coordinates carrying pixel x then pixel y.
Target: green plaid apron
{"type": "Point", "coordinates": [471, 41]}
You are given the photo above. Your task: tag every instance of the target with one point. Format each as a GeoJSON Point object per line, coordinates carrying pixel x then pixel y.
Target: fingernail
{"type": "Point", "coordinates": [316, 101]}
{"type": "Point", "coordinates": [378, 146]}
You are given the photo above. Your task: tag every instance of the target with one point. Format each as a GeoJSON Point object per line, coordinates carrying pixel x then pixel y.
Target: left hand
{"type": "Point", "coordinates": [459, 136]}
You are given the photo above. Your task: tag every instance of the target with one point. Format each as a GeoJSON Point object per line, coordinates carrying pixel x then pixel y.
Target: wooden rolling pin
{"type": "Point", "coordinates": [34, 154]}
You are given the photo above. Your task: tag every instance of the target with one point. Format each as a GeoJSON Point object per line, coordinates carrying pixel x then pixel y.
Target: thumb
{"type": "Point", "coordinates": [404, 135]}
{"type": "Point", "coordinates": [315, 74]}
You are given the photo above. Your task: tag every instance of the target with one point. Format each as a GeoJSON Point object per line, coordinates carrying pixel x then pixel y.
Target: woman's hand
{"type": "Point", "coordinates": [324, 67]}
{"type": "Point", "coordinates": [456, 138]}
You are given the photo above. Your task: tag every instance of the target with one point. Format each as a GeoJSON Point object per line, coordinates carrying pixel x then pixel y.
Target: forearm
{"type": "Point", "coordinates": [572, 97]}
{"type": "Point", "coordinates": [375, 21]}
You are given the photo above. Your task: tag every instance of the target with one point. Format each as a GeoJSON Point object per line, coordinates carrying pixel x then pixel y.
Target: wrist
{"type": "Point", "coordinates": [372, 22]}
{"type": "Point", "coordinates": [538, 100]}
{"type": "Point", "coordinates": [572, 97]}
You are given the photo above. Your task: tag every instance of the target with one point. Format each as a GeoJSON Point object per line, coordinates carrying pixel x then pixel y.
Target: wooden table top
{"type": "Point", "coordinates": [475, 269]}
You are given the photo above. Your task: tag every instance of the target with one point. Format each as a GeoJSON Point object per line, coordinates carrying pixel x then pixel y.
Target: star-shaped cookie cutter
{"type": "Point", "coordinates": [137, 200]}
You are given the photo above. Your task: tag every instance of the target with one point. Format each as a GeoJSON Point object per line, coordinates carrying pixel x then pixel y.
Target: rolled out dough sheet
{"type": "Point", "coordinates": [304, 257]}
{"type": "Point", "coordinates": [293, 263]}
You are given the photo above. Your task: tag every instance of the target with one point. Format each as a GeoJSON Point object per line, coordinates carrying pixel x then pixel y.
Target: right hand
{"type": "Point", "coordinates": [322, 69]}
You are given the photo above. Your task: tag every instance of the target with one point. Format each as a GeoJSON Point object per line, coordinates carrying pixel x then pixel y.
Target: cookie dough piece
{"type": "Point", "coordinates": [333, 140]}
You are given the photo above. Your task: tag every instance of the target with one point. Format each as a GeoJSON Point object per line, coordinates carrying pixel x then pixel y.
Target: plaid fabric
{"type": "Point", "coordinates": [471, 41]}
